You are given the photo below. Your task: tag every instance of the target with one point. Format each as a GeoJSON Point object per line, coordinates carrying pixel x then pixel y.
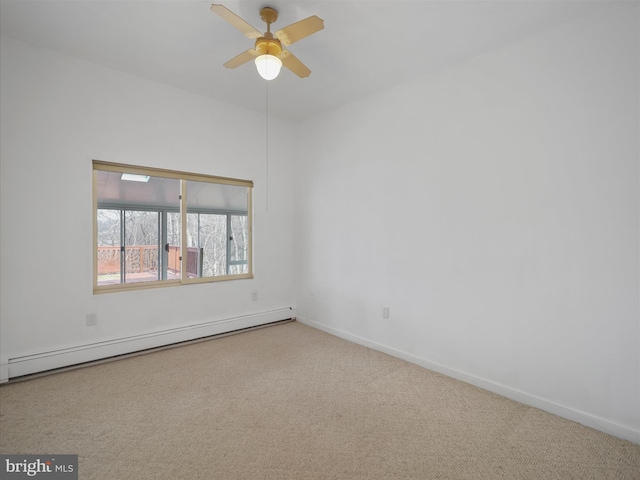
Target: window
{"type": "Point", "coordinates": [158, 227]}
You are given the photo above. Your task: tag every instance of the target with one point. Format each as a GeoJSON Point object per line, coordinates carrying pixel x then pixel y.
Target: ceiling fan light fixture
{"type": "Point", "coordinates": [268, 51]}
{"type": "Point", "coordinates": [268, 66]}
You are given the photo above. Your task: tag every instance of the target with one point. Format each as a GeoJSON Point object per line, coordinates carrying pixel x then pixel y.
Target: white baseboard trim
{"type": "Point", "coordinates": [40, 362]}
{"type": "Point", "coordinates": [4, 371]}
{"type": "Point", "coordinates": [584, 418]}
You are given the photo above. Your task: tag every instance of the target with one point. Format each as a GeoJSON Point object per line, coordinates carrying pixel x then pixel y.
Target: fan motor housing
{"type": "Point", "coordinates": [268, 46]}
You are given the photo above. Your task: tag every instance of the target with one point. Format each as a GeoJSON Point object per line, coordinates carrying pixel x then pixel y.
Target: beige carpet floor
{"type": "Point", "coordinates": [292, 402]}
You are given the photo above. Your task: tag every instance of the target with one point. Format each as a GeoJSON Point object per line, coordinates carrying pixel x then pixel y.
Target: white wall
{"type": "Point", "coordinates": [494, 208]}
{"type": "Point", "coordinates": [59, 113]}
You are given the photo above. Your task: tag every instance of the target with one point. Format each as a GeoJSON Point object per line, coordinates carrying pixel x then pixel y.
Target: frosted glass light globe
{"type": "Point", "coordinates": [268, 66]}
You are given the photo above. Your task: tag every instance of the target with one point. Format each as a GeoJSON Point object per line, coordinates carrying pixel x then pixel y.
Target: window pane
{"type": "Point", "coordinates": [207, 247]}
{"type": "Point", "coordinates": [109, 235]}
{"type": "Point", "coordinates": [213, 211]}
{"type": "Point", "coordinates": [172, 245]}
{"type": "Point", "coordinates": [238, 247]}
{"type": "Point", "coordinates": [138, 228]}
{"type": "Point", "coordinates": [142, 246]}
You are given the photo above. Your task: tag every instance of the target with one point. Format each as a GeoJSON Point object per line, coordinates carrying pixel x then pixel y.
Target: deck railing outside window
{"type": "Point", "coordinates": [141, 262]}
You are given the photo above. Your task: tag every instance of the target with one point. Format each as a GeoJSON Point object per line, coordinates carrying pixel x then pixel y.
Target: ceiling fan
{"type": "Point", "coordinates": [268, 50]}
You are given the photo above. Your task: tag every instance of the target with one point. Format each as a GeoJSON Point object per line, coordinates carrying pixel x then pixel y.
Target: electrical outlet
{"type": "Point", "coordinates": [92, 319]}
{"type": "Point", "coordinates": [385, 312]}
{"type": "Point", "coordinates": [254, 296]}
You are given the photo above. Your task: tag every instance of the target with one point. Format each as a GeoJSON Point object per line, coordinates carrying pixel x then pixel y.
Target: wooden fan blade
{"type": "Point", "coordinates": [241, 59]}
{"type": "Point", "coordinates": [299, 30]}
{"type": "Point", "coordinates": [236, 21]}
{"type": "Point", "coordinates": [290, 61]}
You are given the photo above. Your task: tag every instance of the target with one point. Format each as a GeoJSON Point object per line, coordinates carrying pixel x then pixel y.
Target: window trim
{"type": "Point", "coordinates": [100, 165]}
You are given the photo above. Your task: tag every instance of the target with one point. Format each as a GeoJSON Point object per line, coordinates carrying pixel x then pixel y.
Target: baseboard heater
{"type": "Point", "coordinates": [82, 355]}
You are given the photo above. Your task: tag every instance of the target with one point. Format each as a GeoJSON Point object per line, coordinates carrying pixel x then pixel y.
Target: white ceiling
{"type": "Point", "coordinates": [366, 46]}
